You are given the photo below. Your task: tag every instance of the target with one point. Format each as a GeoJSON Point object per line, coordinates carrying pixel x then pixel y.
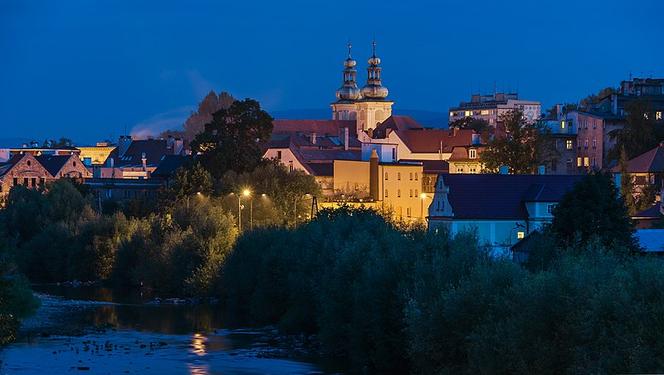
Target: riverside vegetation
{"type": "Point", "coordinates": [383, 298]}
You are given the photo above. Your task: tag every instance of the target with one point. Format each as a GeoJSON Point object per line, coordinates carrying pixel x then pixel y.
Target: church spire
{"type": "Point", "coordinates": [349, 89]}
{"type": "Point", "coordinates": [374, 88]}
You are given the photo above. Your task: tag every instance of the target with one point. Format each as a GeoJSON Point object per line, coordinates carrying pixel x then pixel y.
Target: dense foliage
{"type": "Point", "coordinates": [233, 139]}
{"type": "Point", "coordinates": [641, 132]}
{"type": "Point", "coordinates": [522, 148]}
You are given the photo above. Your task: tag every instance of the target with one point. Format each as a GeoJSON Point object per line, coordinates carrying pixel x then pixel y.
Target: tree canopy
{"type": "Point", "coordinates": [640, 133]}
{"type": "Point", "coordinates": [522, 149]}
{"type": "Point", "coordinates": [593, 211]}
{"type": "Point", "coordinates": [233, 139]}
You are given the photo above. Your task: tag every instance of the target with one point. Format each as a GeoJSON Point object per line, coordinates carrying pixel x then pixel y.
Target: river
{"type": "Point", "coordinates": [92, 330]}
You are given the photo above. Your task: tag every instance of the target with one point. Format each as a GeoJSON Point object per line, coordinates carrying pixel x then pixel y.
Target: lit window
{"type": "Point", "coordinates": [520, 234]}
{"type": "Point", "coordinates": [468, 113]}
{"type": "Point", "coordinates": [386, 195]}
{"type": "Point", "coordinates": [410, 192]}
{"type": "Point", "coordinates": [385, 176]}
{"type": "Point", "coordinates": [399, 176]}
{"type": "Point", "coordinates": [415, 176]}
{"type": "Point", "coordinates": [586, 161]}
{"type": "Point", "coordinates": [578, 162]}
{"type": "Point", "coordinates": [451, 114]}
{"type": "Point", "coordinates": [484, 112]}
{"type": "Point", "coordinates": [472, 153]}
{"type": "Point", "coordinates": [568, 144]}
{"type": "Point", "coordinates": [398, 193]}
{"type": "Point", "coordinates": [562, 124]}
{"type": "Point", "coordinates": [411, 176]}
{"type": "Point", "coordinates": [658, 115]}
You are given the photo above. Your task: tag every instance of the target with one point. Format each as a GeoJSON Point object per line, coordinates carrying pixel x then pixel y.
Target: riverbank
{"type": "Point", "coordinates": [69, 335]}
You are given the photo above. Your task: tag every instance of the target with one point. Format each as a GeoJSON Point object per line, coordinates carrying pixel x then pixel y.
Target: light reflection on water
{"type": "Point", "coordinates": [134, 338]}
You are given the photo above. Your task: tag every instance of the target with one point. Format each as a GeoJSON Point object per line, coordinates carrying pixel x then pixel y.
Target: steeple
{"type": "Point", "coordinates": [349, 89]}
{"type": "Point", "coordinates": [374, 90]}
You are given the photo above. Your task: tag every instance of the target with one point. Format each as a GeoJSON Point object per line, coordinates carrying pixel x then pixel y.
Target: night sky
{"type": "Point", "coordinates": [88, 70]}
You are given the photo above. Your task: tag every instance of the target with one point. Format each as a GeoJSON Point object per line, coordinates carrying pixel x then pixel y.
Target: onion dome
{"type": "Point", "coordinates": [374, 88]}
{"type": "Point", "coordinates": [349, 89]}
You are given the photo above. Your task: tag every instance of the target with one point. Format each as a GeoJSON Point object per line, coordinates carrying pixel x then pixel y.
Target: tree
{"type": "Point", "coordinates": [640, 133]}
{"type": "Point", "coordinates": [626, 184]}
{"type": "Point", "coordinates": [232, 141]}
{"type": "Point", "coordinates": [593, 99]}
{"type": "Point", "coordinates": [189, 180]}
{"type": "Point", "coordinates": [524, 147]}
{"type": "Point", "coordinates": [62, 142]}
{"type": "Point", "coordinates": [287, 197]}
{"type": "Point", "coordinates": [212, 103]}
{"type": "Point", "coordinates": [593, 211]}
{"type": "Point", "coordinates": [477, 124]}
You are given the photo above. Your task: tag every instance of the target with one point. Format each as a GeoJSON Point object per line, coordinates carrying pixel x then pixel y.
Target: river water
{"type": "Point", "coordinates": [89, 330]}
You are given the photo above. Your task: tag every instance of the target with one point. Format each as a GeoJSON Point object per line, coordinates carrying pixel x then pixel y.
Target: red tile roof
{"type": "Point", "coordinates": [433, 140]}
{"type": "Point", "coordinates": [321, 127]}
{"type": "Point", "coordinates": [649, 162]}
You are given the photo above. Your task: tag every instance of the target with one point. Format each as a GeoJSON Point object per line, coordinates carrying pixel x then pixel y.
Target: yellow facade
{"type": "Point", "coordinates": [399, 187]}
{"type": "Point", "coordinates": [96, 154]}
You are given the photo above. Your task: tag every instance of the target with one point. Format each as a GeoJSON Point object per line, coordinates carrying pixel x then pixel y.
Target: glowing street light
{"type": "Point", "coordinates": [423, 196]}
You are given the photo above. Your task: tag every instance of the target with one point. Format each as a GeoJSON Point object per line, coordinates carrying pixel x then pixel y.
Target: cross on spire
{"type": "Point", "coordinates": [373, 47]}
{"type": "Point", "coordinates": [349, 48]}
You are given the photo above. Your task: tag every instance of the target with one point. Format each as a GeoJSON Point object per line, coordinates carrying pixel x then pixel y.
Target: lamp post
{"type": "Point", "coordinates": [246, 193]}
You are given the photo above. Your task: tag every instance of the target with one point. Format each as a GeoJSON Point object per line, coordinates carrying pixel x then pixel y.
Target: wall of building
{"type": "Point", "coordinates": [96, 154]}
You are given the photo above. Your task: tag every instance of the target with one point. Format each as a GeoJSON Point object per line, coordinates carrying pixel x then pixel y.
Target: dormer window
{"type": "Point", "coordinates": [472, 153]}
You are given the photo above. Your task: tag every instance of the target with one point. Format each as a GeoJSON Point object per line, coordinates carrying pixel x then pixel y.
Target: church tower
{"type": "Point", "coordinates": [374, 107]}
{"type": "Point", "coordinates": [347, 95]}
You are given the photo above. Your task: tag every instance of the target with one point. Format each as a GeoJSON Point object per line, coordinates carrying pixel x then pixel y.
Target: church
{"type": "Point", "coordinates": [368, 106]}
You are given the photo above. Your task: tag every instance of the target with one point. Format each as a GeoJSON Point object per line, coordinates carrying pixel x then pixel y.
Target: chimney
{"type": "Point", "coordinates": [123, 145]}
{"type": "Point", "coordinates": [346, 138]}
{"type": "Point", "coordinates": [313, 138]}
{"type": "Point", "coordinates": [144, 161]}
{"type": "Point", "coordinates": [373, 175]}
{"type": "Point", "coordinates": [504, 169]}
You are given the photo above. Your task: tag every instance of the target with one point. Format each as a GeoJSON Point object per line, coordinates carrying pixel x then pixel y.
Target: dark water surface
{"type": "Point", "coordinates": [92, 330]}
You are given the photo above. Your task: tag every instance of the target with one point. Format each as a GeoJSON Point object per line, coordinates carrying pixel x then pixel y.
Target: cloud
{"type": "Point", "coordinates": [169, 120]}
{"type": "Point", "coordinates": [199, 84]}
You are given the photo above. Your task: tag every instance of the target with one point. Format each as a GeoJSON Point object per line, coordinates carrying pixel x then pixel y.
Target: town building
{"type": "Point", "coordinates": [500, 208]}
{"type": "Point", "coordinates": [645, 170]}
{"type": "Point", "coordinates": [466, 159]}
{"type": "Point", "coordinates": [137, 158]}
{"type": "Point", "coordinates": [36, 171]}
{"type": "Point", "coordinates": [95, 155]}
{"type": "Point", "coordinates": [564, 138]}
{"type": "Point", "coordinates": [491, 108]}
{"type": "Point", "coordinates": [35, 149]}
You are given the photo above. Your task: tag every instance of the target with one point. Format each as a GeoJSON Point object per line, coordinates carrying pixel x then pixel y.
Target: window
{"type": "Point", "coordinates": [549, 208]}
{"type": "Point", "coordinates": [459, 169]}
{"type": "Point", "coordinates": [41, 181]}
{"type": "Point", "coordinates": [658, 115]}
{"type": "Point", "coordinates": [468, 113]}
{"type": "Point", "coordinates": [408, 211]}
{"type": "Point", "coordinates": [394, 154]}
{"type": "Point", "coordinates": [386, 195]}
{"type": "Point", "coordinates": [585, 143]}
{"type": "Point", "coordinates": [411, 176]}
{"type": "Point", "coordinates": [410, 192]}
{"type": "Point", "coordinates": [415, 176]}
{"type": "Point", "coordinates": [484, 112]}
{"type": "Point", "coordinates": [594, 124]}
{"type": "Point", "coordinates": [520, 234]}
{"type": "Point", "coordinates": [594, 162]}
{"type": "Point", "coordinates": [569, 144]}
{"type": "Point", "coordinates": [562, 124]}
{"type": "Point", "coordinates": [416, 193]}
{"type": "Point", "coordinates": [472, 153]}
{"type": "Point", "coordinates": [290, 166]}
{"type": "Point", "coordinates": [279, 155]}
{"type": "Point", "coordinates": [578, 161]}
{"type": "Point", "coordinates": [586, 161]}
{"type": "Point", "coordinates": [25, 181]}
{"type": "Point", "coordinates": [451, 114]}
{"type": "Point", "coordinates": [385, 176]}
{"type": "Point", "coordinates": [398, 193]}
{"type": "Point", "coordinates": [74, 164]}
{"type": "Point", "coordinates": [29, 163]}
{"type": "Point", "coordinates": [34, 182]}
{"type": "Point", "coordinates": [594, 143]}
{"type": "Point", "coordinates": [399, 176]}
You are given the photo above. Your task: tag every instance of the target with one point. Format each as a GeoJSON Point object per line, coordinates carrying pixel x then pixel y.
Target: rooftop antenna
{"type": "Point", "coordinates": [350, 45]}
{"type": "Point", "coordinates": [373, 46]}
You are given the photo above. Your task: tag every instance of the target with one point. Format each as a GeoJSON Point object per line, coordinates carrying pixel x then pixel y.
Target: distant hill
{"type": "Point", "coordinates": [426, 118]}
{"type": "Point", "coordinates": [13, 142]}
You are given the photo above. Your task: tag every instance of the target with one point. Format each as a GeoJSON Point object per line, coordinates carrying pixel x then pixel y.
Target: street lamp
{"type": "Point", "coordinates": [247, 194]}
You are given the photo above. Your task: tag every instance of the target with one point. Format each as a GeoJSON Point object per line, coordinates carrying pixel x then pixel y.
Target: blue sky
{"type": "Point", "coordinates": [89, 69]}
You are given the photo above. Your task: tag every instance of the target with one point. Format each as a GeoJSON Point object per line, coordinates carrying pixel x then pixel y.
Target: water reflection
{"type": "Point", "coordinates": [198, 344]}
{"type": "Point", "coordinates": [198, 369]}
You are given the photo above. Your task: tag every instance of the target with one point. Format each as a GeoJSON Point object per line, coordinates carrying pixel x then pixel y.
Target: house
{"type": "Point", "coordinates": [35, 149]}
{"type": "Point", "coordinates": [22, 169]}
{"type": "Point", "coordinates": [491, 107]}
{"type": "Point", "coordinates": [95, 155]}
{"type": "Point", "coordinates": [64, 166]}
{"type": "Point", "coordinates": [466, 159]}
{"type": "Point", "coordinates": [137, 158]}
{"type": "Point", "coordinates": [501, 208]}
{"type": "Point", "coordinates": [646, 169]}
{"type": "Point", "coordinates": [402, 138]}
{"type": "Point", "coordinates": [564, 137]}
